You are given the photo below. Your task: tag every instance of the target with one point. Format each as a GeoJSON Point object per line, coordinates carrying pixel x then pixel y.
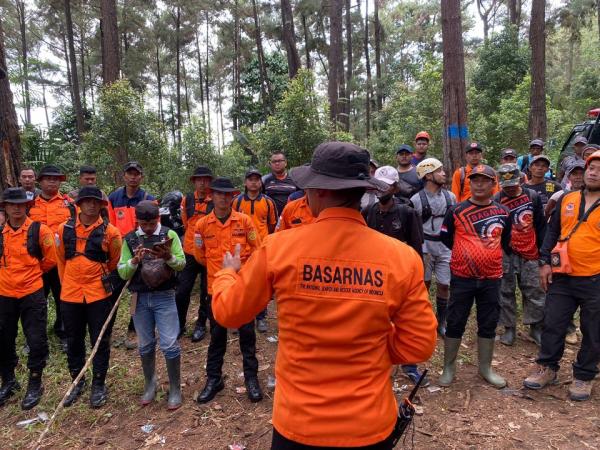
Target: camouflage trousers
{"type": "Point", "coordinates": [518, 270]}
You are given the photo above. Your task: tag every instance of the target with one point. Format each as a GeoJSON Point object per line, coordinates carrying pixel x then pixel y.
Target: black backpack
{"type": "Point", "coordinates": [33, 240]}
{"type": "Point", "coordinates": [426, 212]}
{"type": "Point", "coordinates": [190, 206]}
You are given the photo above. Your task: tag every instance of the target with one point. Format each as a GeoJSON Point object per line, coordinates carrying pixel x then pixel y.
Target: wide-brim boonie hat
{"type": "Point", "coordinates": [223, 184]}
{"type": "Point", "coordinates": [335, 166]}
{"type": "Point", "coordinates": [90, 192]}
{"type": "Point", "coordinates": [51, 171]}
{"type": "Point", "coordinates": [202, 171]}
{"type": "Point", "coordinates": [15, 195]}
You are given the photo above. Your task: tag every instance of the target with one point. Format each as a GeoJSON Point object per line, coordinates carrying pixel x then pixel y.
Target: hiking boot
{"type": "Point", "coordinates": [10, 385]}
{"type": "Point", "coordinates": [412, 372]}
{"type": "Point", "coordinates": [211, 389]}
{"type": "Point", "coordinates": [580, 390]}
{"type": "Point", "coordinates": [261, 325]}
{"type": "Point", "coordinates": [541, 377]}
{"type": "Point", "coordinates": [440, 313]}
{"type": "Point", "coordinates": [199, 332]}
{"type": "Point", "coordinates": [571, 338]}
{"type": "Point", "coordinates": [174, 371]}
{"type": "Point", "coordinates": [253, 390]}
{"type": "Point", "coordinates": [99, 394]}
{"type": "Point", "coordinates": [148, 367]}
{"type": "Point", "coordinates": [451, 346]}
{"type": "Point", "coordinates": [508, 337]}
{"type": "Point", "coordinates": [131, 342]}
{"type": "Point", "coordinates": [76, 392]}
{"type": "Point", "coordinates": [34, 391]}
{"type": "Point", "coordinates": [535, 333]}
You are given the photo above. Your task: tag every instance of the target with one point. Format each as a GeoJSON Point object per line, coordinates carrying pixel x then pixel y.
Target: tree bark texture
{"type": "Point", "coordinates": [10, 160]}
{"type": "Point", "coordinates": [306, 42]}
{"type": "Point", "coordinates": [369, 93]}
{"type": "Point", "coordinates": [349, 59]}
{"type": "Point", "coordinates": [456, 132]}
{"type": "Point", "coordinates": [264, 79]}
{"type": "Point", "coordinates": [74, 72]}
{"type": "Point", "coordinates": [178, 70]}
{"type": "Point", "coordinates": [336, 60]}
{"type": "Point", "coordinates": [537, 98]}
{"type": "Point", "coordinates": [378, 75]}
{"type": "Point", "coordinates": [110, 41]}
{"type": "Point", "coordinates": [289, 38]}
{"type": "Point", "coordinates": [25, 59]}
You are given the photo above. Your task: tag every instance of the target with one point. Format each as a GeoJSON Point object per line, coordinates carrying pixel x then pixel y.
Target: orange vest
{"type": "Point", "coordinates": [81, 278]}
{"type": "Point", "coordinates": [189, 223]}
{"type": "Point", "coordinates": [584, 245]}
{"type": "Point", "coordinates": [351, 302]}
{"type": "Point", "coordinates": [212, 239]}
{"type": "Point", "coordinates": [295, 214]}
{"type": "Point", "coordinates": [262, 210]}
{"type": "Point", "coordinates": [52, 212]}
{"type": "Point", "coordinates": [21, 273]}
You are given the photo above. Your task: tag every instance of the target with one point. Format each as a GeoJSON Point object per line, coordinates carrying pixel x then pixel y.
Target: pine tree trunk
{"type": "Point", "coordinates": [185, 87]}
{"type": "Point", "coordinates": [537, 99]}
{"type": "Point", "coordinates": [91, 86]}
{"type": "Point", "coordinates": [349, 60]}
{"type": "Point", "coordinates": [206, 90]}
{"type": "Point", "coordinates": [44, 102]}
{"type": "Point", "coordinates": [334, 57]}
{"type": "Point", "coordinates": [74, 75]}
{"type": "Point", "coordinates": [454, 92]}
{"type": "Point", "coordinates": [63, 35]}
{"type": "Point", "coordinates": [236, 66]}
{"type": "Point", "coordinates": [379, 87]}
{"type": "Point", "coordinates": [110, 41]}
{"type": "Point", "coordinates": [159, 86]}
{"type": "Point", "coordinates": [369, 92]}
{"type": "Point", "coordinates": [306, 47]}
{"type": "Point", "coordinates": [178, 71]}
{"type": "Point", "coordinates": [265, 89]}
{"type": "Point", "coordinates": [201, 78]}
{"type": "Point", "coordinates": [289, 38]}
{"type": "Point", "coordinates": [10, 143]}
{"type": "Point", "coordinates": [24, 55]}
{"type": "Point", "coordinates": [82, 55]}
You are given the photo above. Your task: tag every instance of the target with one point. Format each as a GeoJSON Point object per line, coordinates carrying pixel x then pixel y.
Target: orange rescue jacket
{"type": "Point", "coordinates": [52, 212]}
{"type": "Point", "coordinates": [351, 302]}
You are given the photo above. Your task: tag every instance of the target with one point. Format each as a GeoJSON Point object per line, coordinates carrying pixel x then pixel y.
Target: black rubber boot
{"type": "Point", "coordinates": [441, 312]}
{"type": "Point", "coordinates": [76, 392]}
{"type": "Point", "coordinates": [508, 337]}
{"type": "Point", "coordinates": [35, 390]}
{"type": "Point", "coordinates": [99, 394]}
{"type": "Point", "coordinates": [10, 385]}
{"type": "Point", "coordinates": [149, 369]}
{"type": "Point", "coordinates": [174, 371]}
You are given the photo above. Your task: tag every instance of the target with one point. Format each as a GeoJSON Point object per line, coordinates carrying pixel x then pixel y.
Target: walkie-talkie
{"type": "Point", "coordinates": [406, 411]}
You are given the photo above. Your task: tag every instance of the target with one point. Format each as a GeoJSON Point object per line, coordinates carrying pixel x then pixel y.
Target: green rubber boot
{"type": "Point", "coordinates": [485, 351]}
{"type": "Point", "coordinates": [451, 346]}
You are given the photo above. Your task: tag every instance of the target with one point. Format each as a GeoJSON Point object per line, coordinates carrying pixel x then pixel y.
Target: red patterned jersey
{"type": "Point", "coordinates": [476, 235]}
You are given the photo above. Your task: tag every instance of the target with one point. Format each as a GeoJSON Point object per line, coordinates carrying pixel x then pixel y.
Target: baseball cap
{"type": "Point", "coordinates": [537, 142]}
{"type": "Point", "coordinates": [578, 164]}
{"type": "Point", "coordinates": [422, 135]}
{"type": "Point", "coordinates": [337, 165]}
{"type": "Point", "coordinates": [51, 171]}
{"type": "Point", "coordinates": [133, 165]}
{"type": "Point", "coordinates": [87, 169]}
{"type": "Point", "coordinates": [146, 210]}
{"type": "Point", "coordinates": [540, 157]}
{"type": "Point", "coordinates": [580, 140]}
{"type": "Point", "coordinates": [509, 175]}
{"type": "Point", "coordinates": [251, 172]}
{"type": "Point", "coordinates": [509, 152]}
{"type": "Point", "coordinates": [90, 192]}
{"type": "Point", "coordinates": [387, 174]}
{"type": "Point", "coordinates": [404, 148]}
{"type": "Point", "coordinates": [484, 170]}
{"type": "Point", "coordinates": [201, 171]}
{"type": "Point", "coordinates": [474, 146]}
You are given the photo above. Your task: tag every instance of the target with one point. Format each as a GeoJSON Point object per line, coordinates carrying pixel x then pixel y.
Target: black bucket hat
{"type": "Point", "coordinates": [202, 171]}
{"type": "Point", "coordinates": [90, 192]}
{"type": "Point", "coordinates": [51, 171]}
{"type": "Point", "coordinates": [223, 184]}
{"type": "Point", "coordinates": [16, 195]}
{"type": "Point", "coordinates": [335, 166]}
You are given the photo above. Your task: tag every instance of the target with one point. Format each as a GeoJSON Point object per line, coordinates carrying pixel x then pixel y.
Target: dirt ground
{"type": "Point", "coordinates": [468, 415]}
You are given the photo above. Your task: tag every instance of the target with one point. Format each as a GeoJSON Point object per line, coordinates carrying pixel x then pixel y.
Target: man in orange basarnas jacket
{"type": "Point", "coordinates": [88, 250]}
{"type": "Point", "coordinates": [351, 303]}
{"type": "Point", "coordinates": [26, 253]}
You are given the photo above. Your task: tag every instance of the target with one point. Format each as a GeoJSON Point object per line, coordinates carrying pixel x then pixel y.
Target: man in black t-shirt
{"type": "Point", "coordinates": [277, 184]}
{"type": "Point", "coordinates": [538, 182]}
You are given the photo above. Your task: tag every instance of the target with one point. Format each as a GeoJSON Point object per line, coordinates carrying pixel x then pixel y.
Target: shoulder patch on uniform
{"type": "Point", "coordinates": [252, 235]}
{"type": "Point", "coordinates": [47, 240]}
{"type": "Point", "coordinates": [198, 240]}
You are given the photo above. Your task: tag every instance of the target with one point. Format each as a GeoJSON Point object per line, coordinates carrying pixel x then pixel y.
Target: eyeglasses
{"type": "Point", "coordinates": [277, 161]}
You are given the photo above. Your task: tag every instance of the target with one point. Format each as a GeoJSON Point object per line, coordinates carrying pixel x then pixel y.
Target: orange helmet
{"type": "Point", "coordinates": [593, 156]}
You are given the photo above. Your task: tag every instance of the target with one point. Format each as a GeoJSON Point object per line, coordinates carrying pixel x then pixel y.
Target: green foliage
{"type": "Point", "coordinates": [124, 130]}
{"type": "Point", "coordinates": [411, 109]}
{"type": "Point", "coordinates": [297, 126]}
